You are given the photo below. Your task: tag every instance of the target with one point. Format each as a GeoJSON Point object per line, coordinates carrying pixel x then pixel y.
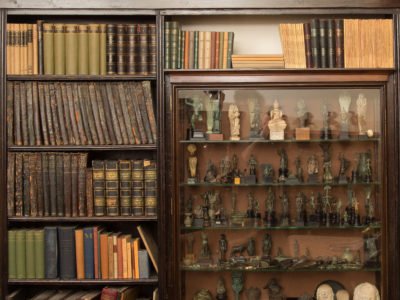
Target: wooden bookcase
{"type": "Point", "coordinates": [220, 14]}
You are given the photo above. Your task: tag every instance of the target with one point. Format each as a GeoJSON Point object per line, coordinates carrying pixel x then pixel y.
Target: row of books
{"type": "Point", "coordinates": [258, 61]}
{"type": "Point", "coordinates": [80, 113]}
{"type": "Point", "coordinates": [107, 293]}
{"type": "Point", "coordinates": [68, 252]}
{"type": "Point", "coordinates": [196, 49]}
{"type": "Point", "coordinates": [59, 184]}
{"type": "Point", "coordinates": [338, 43]}
{"type": "Point", "coordinates": [81, 49]}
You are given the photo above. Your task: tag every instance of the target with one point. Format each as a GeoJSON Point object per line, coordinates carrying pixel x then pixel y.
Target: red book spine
{"type": "Point", "coordinates": [187, 43]}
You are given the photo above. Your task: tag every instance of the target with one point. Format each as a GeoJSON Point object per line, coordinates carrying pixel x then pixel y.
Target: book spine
{"type": "Point", "coordinates": [36, 114]}
{"type": "Point", "coordinates": [125, 187]}
{"type": "Point", "coordinates": [137, 188]}
{"type": "Point", "coordinates": [99, 187]}
{"type": "Point", "coordinates": [149, 108]}
{"type": "Point", "coordinates": [24, 113]}
{"type": "Point", "coordinates": [29, 254]}
{"type": "Point", "coordinates": [46, 184]}
{"type": "Point", "coordinates": [39, 183]}
{"type": "Point", "coordinates": [18, 44]}
{"type": "Point", "coordinates": [19, 203]}
{"type": "Point", "coordinates": [59, 49]}
{"type": "Point", "coordinates": [121, 55]}
{"type": "Point", "coordinates": [120, 258]}
{"type": "Point", "coordinates": [118, 110]}
{"type": "Point", "coordinates": [150, 188]}
{"type": "Point", "coordinates": [79, 254]}
{"type": "Point", "coordinates": [339, 43]}
{"type": "Point", "coordinates": [114, 118]}
{"type": "Point", "coordinates": [8, 49]}
{"type": "Point", "coordinates": [20, 253]}
{"type": "Point", "coordinates": [17, 115]}
{"type": "Point", "coordinates": [140, 98]}
{"type": "Point", "coordinates": [307, 42]}
{"type": "Point", "coordinates": [201, 49]}
{"type": "Point", "coordinates": [12, 256]}
{"type": "Point", "coordinates": [230, 50]}
{"type": "Point", "coordinates": [331, 43]}
{"type": "Point", "coordinates": [94, 49]}
{"type": "Point", "coordinates": [125, 113]}
{"type": "Point", "coordinates": [315, 43]}
{"type": "Point", "coordinates": [29, 110]}
{"type": "Point", "coordinates": [110, 257]}
{"type": "Point", "coordinates": [139, 113]}
{"type": "Point", "coordinates": [83, 50]}
{"type": "Point", "coordinates": [60, 184]}
{"type": "Point", "coordinates": [22, 49]}
{"type": "Point", "coordinates": [111, 49]}
{"type": "Point", "coordinates": [66, 242]}
{"type": "Point", "coordinates": [60, 113]}
{"type": "Point", "coordinates": [143, 57]}
{"type": "Point", "coordinates": [88, 252]}
{"type": "Point", "coordinates": [112, 184]}
{"type": "Point", "coordinates": [26, 187]}
{"type": "Point", "coordinates": [174, 46]}
{"type": "Point", "coordinates": [35, 58]}
{"type": "Point", "coordinates": [40, 45]}
{"type": "Point", "coordinates": [186, 43]}
{"type": "Point", "coordinates": [132, 114]}
{"type": "Point", "coordinates": [225, 51]}
{"type": "Point", "coordinates": [132, 46]}
{"type": "Point", "coordinates": [70, 102]}
{"type": "Point", "coordinates": [67, 184]}
{"type": "Point", "coordinates": [33, 184]}
{"type": "Point", "coordinates": [196, 50]}
{"type": "Point", "coordinates": [39, 253]}
{"type": "Point", "coordinates": [52, 184]}
{"type": "Point", "coordinates": [124, 258]}
{"type": "Point", "coordinates": [74, 184]}
{"type": "Point", "coordinates": [67, 103]}
{"type": "Point", "coordinates": [55, 115]}
{"type": "Point", "coordinates": [104, 255]}
{"type": "Point", "coordinates": [95, 110]}
{"type": "Point", "coordinates": [89, 192]}
{"type": "Point", "coordinates": [10, 184]}
{"type": "Point", "coordinates": [96, 244]}
{"type": "Point", "coordinates": [77, 114]}
{"type": "Point", "coordinates": [71, 49]}
{"type": "Point", "coordinates": [180, 49]}
{"type": "Point", "coordinates": [13, 46]}
{"type": "Point", "coordinates": [217, 49]}
{"type": "Point", "coordinates": [107, 113]}
{"type": "Point", "coordinates": [44, 97]}
{"type": "Point", "coordinates": [115, 255]}
{"type": "Point", "coordinates": [167, 45]}
{"type": "Point", "coordinates": [212, 49]}
{"type": "Point", "coordinates": [82, 164]}
{"type": "Point", "coordinates": [152, 48]}
{"type": "Point", "coordinates": [85, 98]}
{"type": "Point", "coordinates": [50, 252]}
{"type": "Point", "coordinates": [80, 94]}
{"type": "Point", "coordinates": [29, 41]}
{"type": "Point", "coordinates": [323, 42]}
{"type": "Point", "coordinates": [103, 49]}
{"type": "Point", "coordinates": [129, 257]}
{"type": "Point", "coordinates": [144, 264]}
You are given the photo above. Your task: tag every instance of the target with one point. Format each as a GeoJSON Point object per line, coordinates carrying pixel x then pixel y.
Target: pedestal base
{"type": "Point", "coordinates": [235, 138]}
{"type": "Point", "coordinates": [277, 135]}
{"type": "Point", "coordinates": [303, 134]}
{"type": "Point", "coordinates": [215, 137]}
{"type": "Point", "coordinates": [198, 135]}
{"type": "Point", "coordinates": [192, 180]}
{"type": "Point", "coordinates": [292, 180]}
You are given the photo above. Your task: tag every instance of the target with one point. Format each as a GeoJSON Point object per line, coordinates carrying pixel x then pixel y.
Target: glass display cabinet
{"type": "Point", "coordinates": [279, 184]}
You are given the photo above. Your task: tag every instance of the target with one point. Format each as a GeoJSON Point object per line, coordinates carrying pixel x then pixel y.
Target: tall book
{"type": "Point", "coordinates": [39, 185]}
{"type": "Point", "coordinates": [137, 188]}
{"type": "Point", "coordinates": [339, 50]}
{"type": "Point", "coordinates": [150, 245]}
{"type": "Point", "coordinates": [12, 257]}
{"type": "Point", "coordinates": [103, 49]}
{"type": "Point", "coordinates": [88, 252]}
{"type": "Point", "coordinates": [60, 184]}
{"type": "Point", "coordinates": [39, 253]}
{"type": "Point", "coordinates": [40, 54]}
{"type": "Point", "coordinates": [174, 44]}
{"type": "Point", "coordinates": [152, 48]}
{"type": "Point", "coordinates": [323, 42]}
{"type": "Point", "coordinates": [82, 164]}
{"type": "Point", "coordinates": [121, 54]}
{"type": "Point", "coordinates": [99, 184]}
{"type": "Point", "coordinates": [150, 187]}
{"type": "Point", "coordinates": [74, 184]}
{"type": "Point", "coordinates": [20, 253]}
{"type": "Point", "coordinates": [167, 45]}
{"type": "Point", "coordinates": [66, 242]}
{"type": "Point", "coordinates": [30, 254]}
{"type": "Point", "coordinates": [52, 184]}
{"type": "Point", "coordinates": [307, 42]}
{"type": "Point", "coordinates": [150, 108]}
{"type": "Point", "coordinates": [125, 187]}
{"type": "Point", "coordinates": [131, 44]}
{"type": "Point", "coordinates": [59, 49]}
{"type": "Point", "coordinates": [11, 184]}
{"type": "Point", "coordinates": [51, 252]}
{"type": "Point", "coordinates": [19, 204]}
{"type": "Point", "coordinates": [89, 192]}
{"type": "Point", "coordinates": [83, 49]}
{"type": "Point", "coordinates": [196, 50]}
{"type": "Point", "coordinates": [17, 49]}
{"type": "Point", "coordinates": [230, 50]}
{"type": "Point", "coordinates": [45, 184]}
{"type": "Point", "coordinates": [111, 49]}
{"type": "Point", "coordinates": [67, 184]}
{"type": "Point", "coordinates": [79, 254]}
{"type": "Point", "coordinates": [315, 43]}
{"type": "Point", "coordinates": [29, 41]}
{"type": "Point", "coordinates": [71, 51]}
{"type": "Point", "coordinates": [94, 49]}
{"type": "Point", "coordinates": [33, 160]}
{"type": "Point", "coordinates": [104, 255]}
{"type": "Point", "coordinates": [143, 57]}
{"type": "Point", "coordinates": [112, 184]}
{"type": "Point", "coordinates": [331, 43]}
{"type": "Point", "coordinates": [35, 45]}
{"type": "Point", "coordinates": [26, 187]}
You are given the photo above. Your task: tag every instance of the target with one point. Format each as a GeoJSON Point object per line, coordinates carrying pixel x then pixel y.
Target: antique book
{"type": "Point", "coordinates": [307, 42]}
{"type": "Point", "coordinates": [149, 244]}
{"type": "Point", "coordinates": [140, 99]}
{"type": "Point", "coordinates": [17, 49]}
{"type": "Point", "coordinates": [125, 113]}
{"type": "Point", "coordinates": [225, 49]}
{"type": "Point", "coordinates": [99, 187]}
{"type": "Point", "coordinates": [83, 49]}
{"type": "Point", "coordinates": [114, 117]}
{"type": "Point", "coordinates": [12, 256]}
{"type": "Point", "coordinates": [102, 116]}
{"type": "Point", "coordinates": [339, 43]}
{"type": "Point", "coordinates": [82, 164]}
{"type": "Point", "coordinates": [96, 251]}
{"type": "Point", "coordinates": [107, 113]}
{"type": "Point", "coordinates": [217, 49]}
{"type": "Point", "coordinates": [137, 188]}
{"type": "Point", "coordinates": [104, 255]}
{"type": "Point", "coordinates": [129, 257]}
{"type": "Point", "coordinates": [135, 252]}
{"type": "Point", "coordinates": [35, 58]}
{"type": "Point", "coordinates": [85, 99]}
{"type": "Point", "coordinates": [78, 115]}
{"type": "Point", "coordinates": [196, 50]}
{"type": "Point", "coordinates": [150, 188]}
{"type": "Point", "coordinates": [29, 255]}
{"type": "Point", "coordinates": [17, 114]}
{"type": "Point", "coordinates": [118, 111]}
{"type": "Point", "coordinates": [213, 49]}
{"type": "Point", "coordinates": [131, 48]}
{"type": "Point", "coordinates": [110, 253]}
{"type": "Point", "coordinates": [122, 53]}
{"type": "Point", "coordinates": [174, 44]}
{"type": "Point", "coordinates": [41, 98]}
{"type": "Point", "coordinates": [23, 49]}
{"type": "Point", "coordinates": [49, 117]}
{"type": "Point", "coordinates": [112, 184]}
{"type": "Point", "coordinates": [139, 114]}
{"type": "Point", "coordinates": [323, 42]}
{"type": "Point", "coordinates": [8, 49]}
{"type": "Point", "coordinates": [66, 243]}
{"type": "Point", "coordinates": [52, 184]}
{"type": "Point", "coordinates": [71, 49]}
{"type": "Point", "coordinates": [111, 49]}
{"type": "Point", "coordinates": [36, 118]}
{"type": "Point", "coordinates": [45, 184]}
{"type": "Point", "coordinates": [167, 45]}
{"type": "Point", "coordinates": [69, 100]}
{"type": "Point", "coordinates": [29, 42]}
{"type": "Point", "coordinates": [39, 185]}
{"type": "Point", "coordinates": [94, 49]}
{"type": "Point", "coordinates": [152, 48]}
{"type": "Point", "coordinates": [89, 192]}
{"type": "Point", "coordinates": [60, 113]}
{"type": "Point", "coordinates": [11, 184]}
{"type": "Point", "coordinates": [144, 264]}
{"type": "Point", "coordinates": [119, 258]}
{"type": "Point", "coordinates": [66, 116]}
{"type": "Point", "coordinates": [315, 43]}
{"type": "Point", "coordinates": [33, 159]}
{"type": "Point", "coordinates": [201, 50]}
{"type": "Point", "coordinates": [125, 187]}
{"type": "Point", "coordinates": [181, 50]}
{"type": "Point", "coordinates": [10, 113]}
{"type": "Point", "coordinates": [115, 254]}
{"type": "Point", "coordinates": [59, 49]}
{"type": "Point", "coordinates": [40, 53]}
{"type": "Point", "coordinates": [60, 184]}
{"type": "Point", "coordinates": [132, 114]}
{"type": "Point", "coordinates": [83, 112]}
{"type": "Point", "coordinates": [26, 187]}
{"type": "Point", "coordinates": [95, 110]}
{"type": "Point", "coordinates": [51, 252]}
{"type": "Point", "coordinates": [67, 184]}
{"type": "Point", "coordinates": [20, 253]}
{"type": "Point", "coordinates": [54, 113]}
{"type": "Point", "coordinates": [79, 254]}
{"type": "Point", "coordinates": [88, 252]}
{"type": "Point", "coordinates": [150, 108]}
{"type": "Point", "coordinates": [103, 49]}
{"type": "Point", "coordinates": [124, 255]}
{"type": "Point", "coordinates": [187, 51]}
{"type": "Point", "coordinates": [331, 43]}
{"type": "Point", "coordinates": [29, 110]}
{"type": "Point", "coordinates": [74, 184]}
{"type": "Point", "coordinates": [24, 112]}
{"type": "Point", "coordinates": [19, 188]}
{"type": "Point", "coordinates": [38, 235]}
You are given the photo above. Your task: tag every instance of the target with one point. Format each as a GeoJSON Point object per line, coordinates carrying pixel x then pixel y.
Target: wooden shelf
{"type": "Point", "coordinates": [198, 268]}
{"type": "Point", "coordinates": [80, 77]}
{"type": "Point", "coordinates": [76, 282]}
{"type": "Point", "coordinates": [277, 184]}
{"type": "Point", "coordinates": [82, 219]}
{"type": "Point", "coordinates": [83, 148]}
{"type": "Point", "coordinates": [265, 141]}
{"type": "Point", "coordinates": [314, 70]}
{"type": "Point", "coordinates": [277, 228]}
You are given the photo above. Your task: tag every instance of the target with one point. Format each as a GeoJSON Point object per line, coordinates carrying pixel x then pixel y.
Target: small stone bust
{"type": "Point", "coordinates": [325, 292]}
{"type": "Point", "coordinates": [366, 291]}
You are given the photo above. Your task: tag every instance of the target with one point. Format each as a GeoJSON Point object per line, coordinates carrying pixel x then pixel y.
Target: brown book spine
{"type": "Point", "coordinates": [74, 183]}
{"type": "Point", "coordinates": [17, 114]}
{"type": "Point", "coordinates": [22, 50]}
{"type": "Point", "coordinates": [19, 206]}
{"type": "Point", "coordinates": [10, 184]}
{"type": "Point", "coordinates": [119, 255]}
{"type": "Point", "coordinates": [121, 54]}
{"type": "Point", "coordinates": [26, 187]}
{"type": "Point", "coordinates": [24, 113]}
{"type": "Point", "coordinates": [150, 188]}
{"type": "Point", "coordinates": [89, 192]}
{"type": "Point", "coordinates": [39, 183]}
{"type": "Point", "coordinates": [52, 184]}
{"type": "Point", "coordinates": [67, 184]}
{"type": "Point", "coordinates": [131, 112]}
{"type": "Point", "coordinates": [35, 57]}
{"type": "Point", "coordinates": [41, 98]}
{"type": "Point", "coordinates": [118, 110]}
{"type": "Point", "coordinates": [10, 113]}
{"type": "Point", "coordinates": [72, 115]}
{"type": "Point", "coordinates": [139, 118]}
{"type": "Point", "coordinates": [83, 112]}
{"type": "Point", "coordinates": [85, 96]}
{"type": "Point", "coordinates": [307, 42]}
{"type": "Point", "coordinates": [60, 112]}
{"type": "Point", "coordinates": [18, 42]}
{"type": "Point", "coordinates": [49, 116]}
{"type": "Point", "coordinates": [82, 184]}
{"type": "Point", "coordinates": [102, 117]}
{"type": "Point", "coordinates": [95, 110]}
{"type": "Point", "coordinates": [13, 40]}
{"type": "Point", "coordinates": [60, 184]}
{"type": "Point", "coordinates": [65, 101]}
{"type": "Point", "coordinates": [36, 117]}
{"type": "Point", "coordinates": [112, 185]}
{"type": "Point", "coordinates": [78, 115]}
{"type": "Point", "coordinates": [29, 42]}
{"type": "Point", "coordinates": [107, 113]}
{"type": "Point", "coordinates": [114, 118]}
{"type": "Point", "coordinates": [99, 185]}
{"type": "Point", "coordinates": [142, 57]}
{"type": "Point", "coordinates": [148, 99]}
{"type": "Point", "coordinates": [40, 46]}
{"type": "Point", "coordinates": [79, 254]}
{"type": "Point", "coordinates": [137, 188]}
{"type": "Point", "coordinates": [152, 48]}
{"type": "Point", "coordinates": [54, 113]}
{"type": "Point", "coordinates": [217, 49]}
{"type": "Point", "coordinates": [111, 49]}
{"type": "Point", "coordinates": [131, 48]}
{"type": "Point", "coordinates": [186, 53]}
{"type": "Point", "coordinates": [29, 108]}
{"type": "Point", "coordinates": [339, 43]}
{"type": "Point", "coordinates": [213, 49]}
{"type": "Point", "coordinates": [46, 184]}
{"type": "Point", "coordinates": [125, 112]}
{"type": "Point", "coordinates": [145, 118]}
{"type": "Point", "coordinates": [125, 187]}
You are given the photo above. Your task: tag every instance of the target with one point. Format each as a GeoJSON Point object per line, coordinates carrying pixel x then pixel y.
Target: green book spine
{"type": "Point", "coordinates": [83, 50]}
{"type": "Point", "coordinates": [174, 44]}
{"type": "Point", "coordinates": [167, 45]}
{"type": "Point", "coordinates": [103, 38]}
{"type": "Point", "coordinates": [20, 254]}
{"type": "Point", "coordinates": [221, 50]}
{"type": "Point", "coordinates": [30, 255]}
{"type": "Point", "coordinates": [230, 51]}
{"type": "Point", "coordinates": [71, 51]}
{"type": "Point", "coordinates": [39, 253]}
{"type": "Point", "coordinates": [196, 50]}
{"type": "Point", "coordinates": [48, 48]}
{"type": "Point", "coordinates": [94, 49]}
{"type": "Point", "coordinates": [59, 49]}
{"type": "Point", "coordinates": [12, 267]}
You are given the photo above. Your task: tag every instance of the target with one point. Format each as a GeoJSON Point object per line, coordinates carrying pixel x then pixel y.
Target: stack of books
{"type": "Point", "coordinates": [258, 61]}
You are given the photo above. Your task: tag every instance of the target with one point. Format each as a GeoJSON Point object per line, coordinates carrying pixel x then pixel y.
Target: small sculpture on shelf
{"type": "Point", "coordinates": [364, 168]}
{"type": "Point", "coordinates": [223, 247]}
{"type": "Point", "coordinates": [253, 293]}
{"type": "Point", "coordinates": [236, 218]}
{"type": "Point", "coordinates": [251, 178]}
{"type": "Point", "coordinates": [237, 283]}
{"type": "Point", "coordinates": [203, 294]}
{"type": "Point", "coordinates": [275, 291]}
{"type": "Point", "coordinates": [254, 118]}
{"type": "Point", "coordinates": [213, 107]}
{"type": "Point", "coordinates": [267, 246]}
{"type": "Point", "coordinates": [301, 214]}
{"type": "Point", "coordinates": [361, 115]}
{"type": "Point", "coordinates": [371, 253]}
{"type": "Point", "coordinates": [213, 200]}
{"type": "Point", "coordinates": [283, 165]}
{"type": "Point", "coordinates": [188, 212]}
{"type": "Point", "coordinates": [326, 131]}
{"type": "Point", "coordinates": [276, 123]}
{"type": "Point", "coordinates": [344, 101]}
{"type": "Point", "coordinates": [285, 218]}
{"type": "Point", "coordinates": [251, 247]}
{"type": "Point", "coordinates": [205, 252]}
{"type": "Point", "coordinates": [369, 206]}
{"type": "Point", "coordinates": [189, 258]}
{"type": "Point", "coordinates": [312, 169]}
{"type": "Point", "coordinates": [315, 215]}
{"type": "Point", "coordinates": [234, 120]}
{"type": "Point", "coordinates": [302, 132]}
{"type": "Point", "coordinates": [326, 203]}
{"type": "Point", "coordinates": [211, 173]}
{"type": "Point", "coordinates": [192, 163]}
{"type": "Point", "coordinates": [237, 252]}
{"type": "Point", "coordinates": [198, 220]}
{"type": "Point", "coordinates": [235, 168]}
{"type": "Point", "coordinates": [221, 290]}
{"type": "Point", "coordinates": [225, 171]}
{"type": "Point", "coordinates": [197, 106]}
{"type": "Point", "coordinates": [298, 177]}
{"type": "Point", "coordinates": [268, 173]}
{"type": "Point", "coordinates": [366, 290]}
{"type": "Point", "coordinates": [270, 218]}
{"type": "Point", "coordinates": [325, 292]}
{"type": "Point", "coordinates": [344, 165]}
{"type": "Point", "coordinates": [251, 205]}
{"type": "Point", "coordinates": [327, 176]}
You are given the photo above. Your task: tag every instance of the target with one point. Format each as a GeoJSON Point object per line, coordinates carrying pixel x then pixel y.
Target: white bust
{"type": "Point", "coordinates": [366, 291]}
{"type": "Point", "coordinates": [325, 292]}
{"type": "Point", "coordinates": [342, 295]}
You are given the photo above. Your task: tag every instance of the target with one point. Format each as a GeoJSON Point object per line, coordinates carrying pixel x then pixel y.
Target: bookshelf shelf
{"type": "Point", "coordinates": [82, 148]}
{"type": "Point", "coordinates": [81, 219]}
{"type": "Point", "coordinates": [284, 70]}
{"type": "Point", "coordinates": [79, 77]}
{"type": "Point", "coordinates": [305, 184]}
{"type": "Point", "coordinates": [265, 228]}
{"type": "Point", "coordinates": [198, 268]}
{"type": "Point", "coordinates": [76, 282]}
{"type": "Point", "coordinates": [262, 141]}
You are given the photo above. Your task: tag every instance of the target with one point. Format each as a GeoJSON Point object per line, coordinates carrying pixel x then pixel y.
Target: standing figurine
{"type": "Point", "coordinates": [213, 107]}
{"type": "Point", "coordinates": [251, 178]}
{"type": "Point", "coordinates": [327, 176]}
{"type": "Point", "coordinates": [285, 218]}
{"type": "Point", "coordinates": [276, 123]}
{"type": "Point", "coordinates": [192, 163]}
{"type": "Point", "coordinates": [205, 253]}
{"type": "Point", "coordinates": [312, 169]}
{"type": "Point", "coordinates": [251, 247]}
{"type": "Point", "coordinates": [197, 106]}
{"type": "Point", "coordinates": [234, 120]}
{"type": "Point", "coordinates": [221, 290]}
{"type": "Point", "coordinates": [361, 115]}
{"type": "Point", "coordinates": [267, 246]}
{"type": "Point", "coordinates": [211, 173]}
{"type": "Point", "coordinates": [344, 165]}
{"type": "Point", "coordinates": [235, 168]}
{"type": "Point", "coordinates": [210, 115]}
{"type": "Point", "coordinates": [270, 211]}
{"type": "Point", "coordinates": [283, 165]}
{"type": "Point", "coordinates": [251, 204]}
{"type": "Point", "coordinates": [326, 131]}
{"type": "Point", "coordinates": [299, 170]}
{"type": "Point", "coordinates": [326, 200]}
{"type": "Point", "coordinates": [252, 165]}
{"type": "Point", "coordinates": [254, 116]}
{"type": "Point", "coordinates": [223, 247]}
{"type": "Point", "coordinates": [237, 283]}
{"type": "Point", "coordinates": [344, 101]}
{"type": "Point", "coordinates": [274, 290]}
{"type": "Point", "coordinates": [189, 256]}
{"type": "Point", "coordinates": [302, 132]}
{"type": "Point", "coordinates": [300, 210]}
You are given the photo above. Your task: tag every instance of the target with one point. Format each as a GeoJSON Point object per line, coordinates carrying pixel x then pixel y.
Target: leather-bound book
{"type": "Point", "coordinates": [17, 114]}
{"type": "Point", "coordinates": [212, 49]}
{"type": "Point", "coordinates": [36, 117]}
{"type": "Point", "coordinates": [137, 188]}
{"type": "Point", "coordinates": [29, 111]}
{"type": "Point", "coordinates": [131, 48]}
{"type": "Point", "coordinates": [139, 113]}
{"type": "Point", "coordinates": [54, 113]}
{"type": "Point", "coordinates": [10, 113]}
{"type": "Point", "coordinates": [33, 158]}
{"type": "Point", "coordinates": [152, 48]}
{"type": "Point", "coordinates": [146, 86]}
{"type": "Point", "coordinates": [181, 50]}
{"type": "Point", "coordinates": [94, 49]}
{"type": "Point", "coordinates": [196, 50]}
{"type": "Point", "coordinates": [19, 188]}
{"type": "Point", "coordinates": [99, 184]}
{"type": "Point", "coordinates": [60, 184]}
{"type": "Point", "coordinates": [115, 254]}
{"type": "Point", "coordinates": [51, 252]}
{"type": "Point", "coordinates": [207, 50]}
{"type": "Point", "coordinates": [132, 114]}
{"type": "Point", "coordinates": [112, 184]}
{"type": "Point", "coordinates": [83, 49]}
{"type": "Point", "coordinates": [59, 49]}
{"type": "Point", "coordinates": [79, 254]}
{"type": "Point", "coordinates": [78, 114]}
{"type": "Point", "coordinates": [85, 99]}
{"type": "Point", "coordinates": [66, 117]}
{"type": "Point", "coordinates": [103, 49]}
{"type": "Point", "coordinates": [307, 42]}
{"type": "Point", "coordinates": [331, 43]}
{"type": "Point", "coordinates": [11, 184]}
{"type": "Point", "coordinates": [217, 49]}
{"type": "Point", "coordinates": [167, 45]}
{"type": "Point", "coordinates": [24, 113]}
{"type": "Point", "coordinates": [12, 262]}
{"type": "Point", "coordinates": [315, 43]}
{"type": "Point", "coordinates": [150, 188]}
{"type": "Point", "coordinates": [17, 49]}
{"type": "Point", "coordinates": [339, 44]}
{"type": "Point", "coordinates": [110, 257]}
{"type": "Point", "coordinates": [82, 164]}
{"type": "Point", "coordinates": [89, 192]}
{"type": "Point", "coordinates": [49, 116]}
{"type": "Point", "coordinates": [144, 264]}
{"type": "Point", "coordinates": [121, 50]}
{"type": "Point", "coordinates": [52, 184]}
{"type": "Point", "coordinates": [39, 185]}
{"type": "Point", "coordinates": [125, 187]}
{"type": "Point", "coordinates": [88, 252]}
{"type": "Point", "coordinates": [26, 187]}
{"type": "Point", "coordinates": [69, 100]}
{"type": "Point", "coordinates": [71, 49]}
{"type": "Point", "coordinates": [225, 50]}
{"type": "Point", "coordinates": [46, 184]}
{"type": "Point", "coordinates": [66, 245]}
{"type": "Point", "coordinates": [38, 236]}
{"type": "Point", "coordinates": [23, 49]}
{"type": "Point", "coordinates": [67, 184]}
{"type": "Point", "coordinates": [29, 42]}
{"type": "Point", "coordinates": [120, 258]}
{"type": "Point", "coordinates": [102, 115]}
{"type": "Point", "coordinates": [41, 98]}
{"type": "Point", "coordinates": [74, 184]}
{"type": "Point", "coordinates": [95, 110]}
{"type": "Point", "coordinates": [140, 99]}
{"type": "Point", "coordinates": [186, 44]}
{"type": "Point", "coordinates": [83, 112]}
{"type": "Point", "coordinates": [40, 53]}
{"type": "Point", "coordinates": [35, 58]}
{"type": "Point", "coordinates": [143, 57]}
{"type": "Point", "coordinates": [114, 117]}
{"type": "Point", "coordinates": [60, 113]}
{"type": "Point", "coordinates": [118, 110]}
{"type": "Point", "coordinates": [20, 253]}
{"type": "Point", "coordinates": [111, 49]}
{"type": "Point", "coordinates": [125, 113]}
{"type": "Point", "coordinates": [30, 254]}
{"type": "Point", "coordinates": [104, 255]}
{"type": "Point", "coordinates": [96, 251]}
{"type": "Point", "coordinates": [174, 44]}
{"type": "Point", "coordinates": [107, 113]}
{"type": "Point", "coordinates": [323, 42]}
{"type": "Point", "coordinates": [230, 50]}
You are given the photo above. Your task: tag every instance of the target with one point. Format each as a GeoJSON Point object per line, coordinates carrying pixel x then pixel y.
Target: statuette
{"type": "Point", "coordinates": [203, 294]}
{"type": "Point", "coordinates": [237, 284]}
{"type": "Point", "coordinates": [197, 106]}
{"type": "Point", "coordinates": [344, 101]}
{"type": "Point", "coordinates": [274, 290]}
{"type": "Point", "coordinates": [192, 162]}
{"type": "Point", "coordinates": [276, 123]}
{"type": "Point", "coordinates": [326, 131]}
{"type": "Point", "coordinates": [283, 165]}
{"type": "Point", "coordinates": [205, 252]}
{"type": "Point", "coordinates": [302, 132]}
{"type": "Point", "coordinates": [312, 169]}
{"type": "Point", "coordinates": [325, 292]}
{"type": "Point", "coordinates": [221, 290]}
{"type": "Point", "coordinates": [254, 116]}
{"type": "Point", "coordinates": [361, 114]}
{"type": "Point", "coordinates": [234, 120]}
{"type": "Point", "coordinates": [223, 247]}
{"type": "Point", "coordinates": [366, 291]}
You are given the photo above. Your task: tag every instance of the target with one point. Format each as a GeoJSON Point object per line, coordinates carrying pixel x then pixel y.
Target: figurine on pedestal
{"type": "Point", "coordinates": [361, 116]}
{"type": "Point", "coordinates": [364, 168]}
{"type": "Point", "coordinates": [213, 200]}
{"type": "Point", "coordinates": [283, 165]}
{"type": "Point", "coordinates": [211, 173]}
{"type": "Point", "coordinates": [344, 101]}
{"type": "Point", "coordinates": [198, 220]}
{"type": "Point", "coordinates": [312, 169]}
{"type": "Point", "coordinates": [270, 218]}
{"type": "Point", "coordinates": [206, 216]}
{"type": "Point", "coordinates": [221, 290]}
{"type": "Point", "coordinates": [197, 106]}
{"type": "Point", "coordinates": [223, 247]}
{"type": "Point", "coordinates": [274, 290]}
{"type": "Point", "coordinates": [254, 117]}
{"type": "Point", "coordinates": [188, 212]}
{"type": "Point", "coordinates": [213, 107]}
{"type": "Point", "coordinates": [225, 171]}
{"type": "Point", "coordinates": [314, 215]}
{"type": "Point", "coordinates": [234, 120]}
{"type": "Point", "coordinates": [251, 247]}
{"type": "Point", "coordinates": [285, 218]}
{"type": "Point", "coordinates": [251, 178]}
{"type": "Point", "coordinates": [344, 165]}
{"type": "Point", "coordinates": [326, 200]}
{"type": "Point", "coordinates": [327, 176]}
{"type": "Point", "coordinates": [267, 246]}
{"type": "Point", "coordinates": [326, 131]}
{"type": "Point", "coordinates": [205, 252]}
{"type": "Point", "coordinates": [235, 168]}
{"type": "Point", "coordinates": [298, 177]}
{"type": "Point", "coordinates": [371, 253]}
{"type": "Point", "coordinates": [237, 283]}
{"type": "Point", "coordinates": [251, 205]}
{"type": "Point", "coordinates": [192, 164]}
{"type": "Point", "coordinates": [253, 293]}
{"type": "Point", "coordinates": [203, 294]}
{"type": "Point", "coordinates": [276, 123]}
{"type": "Point", "coordinates": [366, 291]}
{"type": "Point", "coordinates": [189, 258]}
{"type": "Point", "coordinates": [369, 206]}
{"type": "Point", "coordinates": [301, 215]}
{"type": "Point", "coordinates": [302, 132]}
{"type": "Point", "coordinates": [268, 173]}
{"type": "Point", "coordinates": [236, 218]}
